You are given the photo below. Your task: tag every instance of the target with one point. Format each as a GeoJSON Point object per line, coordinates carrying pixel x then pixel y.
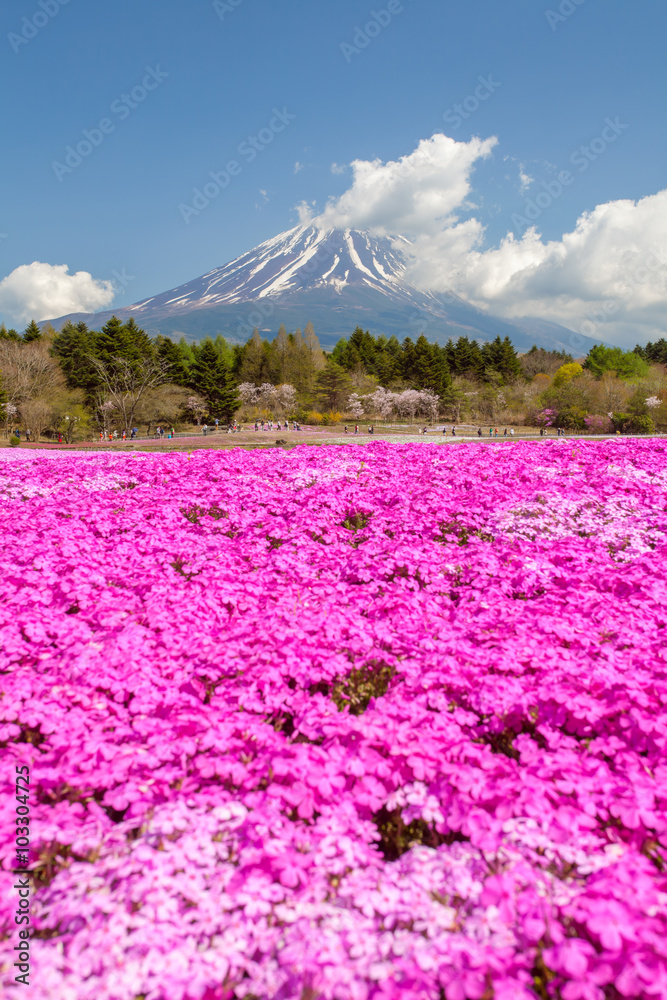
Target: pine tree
{"type": "Point", "coordinates": [123, 340]}
{"type": "Point", "coordinates": [74, 347]}
{"type": "Point", "coordinates": [333, 385]}
{"type": "Point", "coordinates": [6, 334]}
{"type": "Point", "coordinates": [212, 379]}
{"type": "Point", "coordinates": [407, 361]}
{"type": "Point", "coordinates": [32, 332]}
{"type": "Point", "coordinates": [510, 365]}
{"type": "Point", "coordinates": [429, 367]}
{"type": "Point", "coordinates": [172, 357]}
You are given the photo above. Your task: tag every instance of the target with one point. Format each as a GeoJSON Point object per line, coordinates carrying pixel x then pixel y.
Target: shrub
{"type": "Point", "coordinates": [598, 423]}
{"type": "Point", "coordinates": [14, 442]}
{"type": "Point", "coordinates": [640, 423]}
{"type": "Point", "coordinates": [572, 417]}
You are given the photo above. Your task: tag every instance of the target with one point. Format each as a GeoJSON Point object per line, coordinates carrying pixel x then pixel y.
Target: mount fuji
{"type": "Point", "coordinates": [338, 279]}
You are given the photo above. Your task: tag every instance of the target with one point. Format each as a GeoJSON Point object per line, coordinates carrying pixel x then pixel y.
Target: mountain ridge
{"type": "Point", "coordinates": [336, 278]}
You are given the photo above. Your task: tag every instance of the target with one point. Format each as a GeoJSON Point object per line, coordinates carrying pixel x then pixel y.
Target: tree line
{"type": "Point", "coordinates": [118, 376]}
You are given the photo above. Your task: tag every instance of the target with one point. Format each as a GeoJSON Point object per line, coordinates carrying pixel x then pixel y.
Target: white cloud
{"type": "Point", "coordinates": [46, 291]}
{"type": "Point", "coordinates": [607, 279]}
{"type": "Point", "coordinates": [525, 179]}
{"type": "Point", "coordinates": [338, 168]}
{"type": "Point", "coordinates": [298, 166]}
{"type": "Point", "coordinates": [418, 193]}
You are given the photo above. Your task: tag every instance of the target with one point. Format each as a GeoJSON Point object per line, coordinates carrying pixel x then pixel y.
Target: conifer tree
{"type": "Point", "coordinates": [6, 334]}
{"type": "Point", "coordinates": [32, 332]}
{"type": "Point", "coordinates": [212, 379]}
{"type": "Point", "coordinates": [123, 340]}
{"type": "Point", "coordinates": [171, 356]}
{"type": "Point", "coordinates": [333, 385]}
{"type": "Point", "coordinates": [74, 347]}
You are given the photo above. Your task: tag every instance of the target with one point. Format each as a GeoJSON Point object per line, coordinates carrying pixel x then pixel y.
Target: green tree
{"type": "Point", "coordinates": [653, 353]}
{"type": "Point", "coordinates": [74, 347]}
{"type": "Point", "coordinates": [333, 386]}
{"type": "Point", "coordinates": [171, 355]}
{"type": "Point", "coordinates": [123, 340]}
{"type": "Point", "coordinates": [626, 364]}
{"type": "Point", "coordinates": [6, 334]}
{"type": "Point", "coordinates": [430, 368]}
{"type": "Point", "coordinates": [213, 380]}
{"type": "Point", "coordinates": [32, 332]}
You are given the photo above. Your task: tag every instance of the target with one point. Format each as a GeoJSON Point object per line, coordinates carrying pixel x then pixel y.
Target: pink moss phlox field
{"type": "Point", "coordinates": [345, 723]}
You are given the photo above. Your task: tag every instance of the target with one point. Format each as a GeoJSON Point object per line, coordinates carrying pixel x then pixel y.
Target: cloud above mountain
{"type": "Point", "coordinates": [38, 291]}
{"type": "Point", "coordinates": [419, 193]}
{"type": "Point", "coordinates": [607, 279]}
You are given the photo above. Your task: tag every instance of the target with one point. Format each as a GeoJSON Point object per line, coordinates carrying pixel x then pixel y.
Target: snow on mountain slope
{"type": "Point", "coordinates": [336, 278]}
{"type": "Point", "coordinates": [300, 259]}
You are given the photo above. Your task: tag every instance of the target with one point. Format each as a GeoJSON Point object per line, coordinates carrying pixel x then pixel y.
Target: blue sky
{"type": "Point", "coordinates": [220, 70]}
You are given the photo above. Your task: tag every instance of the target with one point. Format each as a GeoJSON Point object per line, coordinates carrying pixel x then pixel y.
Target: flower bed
{"type": "Point", "coordinates": [340, 723]}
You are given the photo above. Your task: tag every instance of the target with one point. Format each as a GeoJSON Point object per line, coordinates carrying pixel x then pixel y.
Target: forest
{"type": "Point", "coordinates": [77, 382]}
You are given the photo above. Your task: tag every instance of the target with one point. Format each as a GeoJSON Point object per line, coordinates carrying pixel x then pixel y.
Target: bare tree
{"type": "Point", "coordinates": [124, 383]}
{"type": "Point", "coordinates": [37, 416]}
{"type": "Point", "coordinates": [28, 371]}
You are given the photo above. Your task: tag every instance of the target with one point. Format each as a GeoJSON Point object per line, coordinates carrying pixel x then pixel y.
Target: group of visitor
{"type": "Point", "coordinates": [371, 429]}
{"type": "Point", "coordinates": [269, 425]}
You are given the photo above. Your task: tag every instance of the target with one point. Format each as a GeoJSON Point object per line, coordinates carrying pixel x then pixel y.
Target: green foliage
{"type": "Point", "coordinates": [653, 353]}
{"type": "Point", "coordinates": [571, 417]}
{"type": "Point", "coordinates": [397, 836]}
{"type": "Point", "coordinates": [640, 424]}
{"type": "Point", "coordinates": [626, 364]}
{"type": "Point", "coordinates": [32, 332]}
{"type": "Point", "coordinates": [173, 358]}
{"type": "Point", "coordinates": [633, 423]}
{"type": "Point", "coordinates": [75, 347]}
{"type": "Point", "coordinates": [333, 385]}
{"type": "Point", "coordinates": [355, 691]}
{"type": "Point", "coordinates": [14, 442]}
{"type": "Point", "coordinates": [6, 334]}
{"type": "Point", "coordinates": [122, 340]}
{"type": "Point", "coordinates": [212, 379]}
